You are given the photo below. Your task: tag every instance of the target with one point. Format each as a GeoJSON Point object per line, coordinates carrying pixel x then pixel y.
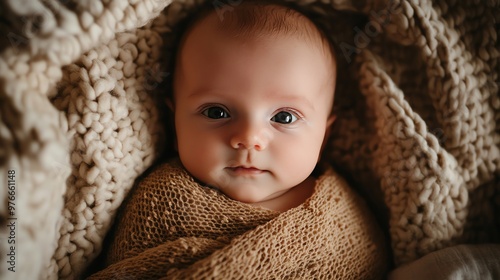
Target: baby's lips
{"type": "Point", "coordinates": [246, 170]}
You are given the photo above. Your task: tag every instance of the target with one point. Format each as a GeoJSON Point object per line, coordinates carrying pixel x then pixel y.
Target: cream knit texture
{"type": "Point", "coordinates": [418, 127]}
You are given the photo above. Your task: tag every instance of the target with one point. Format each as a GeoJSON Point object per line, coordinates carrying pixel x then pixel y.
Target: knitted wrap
{"type": "Point", "coordinates": [173, 228]}
{"type": "Point", "coordinates": [417, 129]}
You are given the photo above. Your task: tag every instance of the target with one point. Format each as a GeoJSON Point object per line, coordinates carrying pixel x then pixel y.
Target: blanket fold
{"type": "Point", "coordinates": [172, 227]}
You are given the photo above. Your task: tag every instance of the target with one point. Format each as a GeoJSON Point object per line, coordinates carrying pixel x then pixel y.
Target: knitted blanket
{"type": "Point", "coordinates": [173, 228]}
{"type": "Point", "coordinates": [417, 129]}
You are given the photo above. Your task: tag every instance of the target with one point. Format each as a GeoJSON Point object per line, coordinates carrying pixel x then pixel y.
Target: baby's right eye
{"type": "Point", "coordinates": [215, 112]}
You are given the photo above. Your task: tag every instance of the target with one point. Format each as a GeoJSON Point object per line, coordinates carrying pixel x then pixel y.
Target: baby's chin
{"type": "Point", "coordinates": [247, 188]}
{"type": "Point", "coordinates": [251, 195]}
{"type": "Point", "coordinates": [249, 199]}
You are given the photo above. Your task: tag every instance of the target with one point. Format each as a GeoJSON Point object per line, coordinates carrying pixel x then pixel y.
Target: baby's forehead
{"type": "Point", "coordinates": [255, 20]}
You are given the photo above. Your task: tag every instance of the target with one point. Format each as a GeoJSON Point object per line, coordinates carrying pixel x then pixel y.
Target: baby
{"type": "Point", "coordinates": [253, 97]}
{"type": "Point", "coordinates": [252, 102]}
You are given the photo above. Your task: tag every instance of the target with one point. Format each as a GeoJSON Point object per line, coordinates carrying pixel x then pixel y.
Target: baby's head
{"type": "Point", "coordinates": [252, 101]}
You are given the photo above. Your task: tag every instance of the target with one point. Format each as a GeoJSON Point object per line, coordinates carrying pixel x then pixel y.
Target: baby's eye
{"type": "Point", "coordinates": [215, 112]}
{"type": "Point", "coordinates": [284, 117]}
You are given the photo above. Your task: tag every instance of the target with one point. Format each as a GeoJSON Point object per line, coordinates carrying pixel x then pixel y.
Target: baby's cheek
{"type": "Point", "coordinates": [310, 151]}
{"type": "Point", "coordinates": [297, 159]}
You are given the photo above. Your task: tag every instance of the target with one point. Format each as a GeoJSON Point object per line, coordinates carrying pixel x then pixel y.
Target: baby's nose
{"type": "Point", "coordinates": [251, 137]}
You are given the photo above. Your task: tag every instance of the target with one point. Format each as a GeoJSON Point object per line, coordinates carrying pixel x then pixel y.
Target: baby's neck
{"type": "Point", "coordinates": [292, 198]}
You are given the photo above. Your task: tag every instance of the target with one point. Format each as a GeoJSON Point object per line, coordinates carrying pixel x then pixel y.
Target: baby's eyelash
{"type": "Point", "coordinates": [209, 105]}
{"type": "Point", "coordinates": [293, 111]}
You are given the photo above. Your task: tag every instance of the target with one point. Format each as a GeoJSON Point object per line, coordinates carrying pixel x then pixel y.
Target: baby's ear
{"type": "Point", "coordinates": [328, 129]}
{"type": "Point", "coordinates": [330, 121]}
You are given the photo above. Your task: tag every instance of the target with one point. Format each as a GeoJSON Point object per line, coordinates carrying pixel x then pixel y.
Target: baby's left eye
{"type": "Point", "coordinates": [284, 117]}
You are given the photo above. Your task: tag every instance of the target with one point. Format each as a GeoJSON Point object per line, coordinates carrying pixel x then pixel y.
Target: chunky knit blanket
{"type": "Point", "coordinates": [418, 127]}
{"type": "Point", "coordinates": [174, 228]}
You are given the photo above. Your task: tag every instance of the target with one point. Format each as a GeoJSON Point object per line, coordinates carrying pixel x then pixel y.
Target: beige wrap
{"type": "Point", "coordinates": [172, 227]}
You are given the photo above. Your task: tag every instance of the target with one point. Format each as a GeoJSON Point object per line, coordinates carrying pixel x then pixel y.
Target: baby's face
{"type": "Point", "coordinates": [251, 116]}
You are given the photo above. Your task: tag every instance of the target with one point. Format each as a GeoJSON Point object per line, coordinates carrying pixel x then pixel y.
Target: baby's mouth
{"type": "Point", "coordinates": [244, 170]}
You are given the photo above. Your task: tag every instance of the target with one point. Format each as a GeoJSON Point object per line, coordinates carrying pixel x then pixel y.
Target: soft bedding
{"type": "Point", "coordinates": [81, 86]}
